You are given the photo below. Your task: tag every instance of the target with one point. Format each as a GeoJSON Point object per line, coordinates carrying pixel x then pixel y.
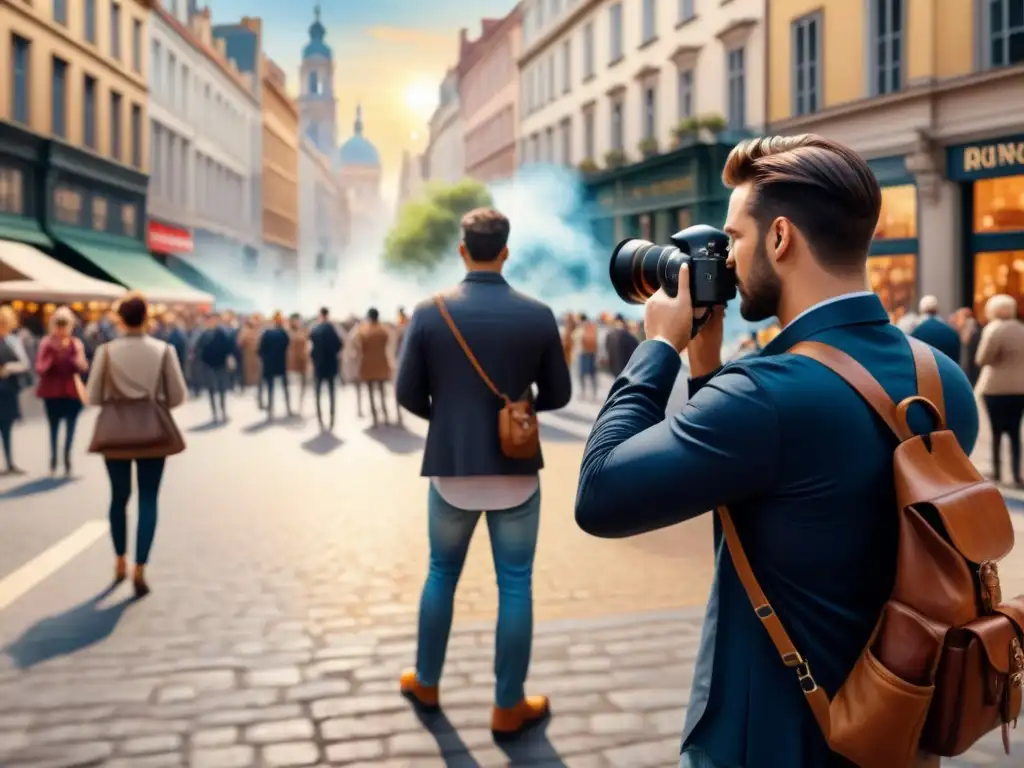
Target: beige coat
{"type": "Point", "coordinates": [298, 351]}
{"type": "Point", "coordinates": [372, 341]}
{"type": "Point", "coordinates": [248, 343]}
{"type": "Point", "coordinates": [140, 366]}
{"type": "Point", "coordinates": [1001, 358]}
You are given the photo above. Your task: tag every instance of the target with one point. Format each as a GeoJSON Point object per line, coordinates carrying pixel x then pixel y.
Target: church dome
{"type": "Point", "coordinates": [358, 150]}
{"type": "Point", "coordinates": [316, 45]}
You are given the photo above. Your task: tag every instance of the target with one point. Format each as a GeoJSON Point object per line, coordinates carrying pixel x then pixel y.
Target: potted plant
{"type": "Point", "coordinates": [648, 147]}
{"type": "Point", "coordinates": [588, 166]}
{"type": "Point", "coordinates": [686, 130]}
{"type": "Point", "coordinates": [614, 158]}
{"type": "Point", "coordinates": [713, 124]}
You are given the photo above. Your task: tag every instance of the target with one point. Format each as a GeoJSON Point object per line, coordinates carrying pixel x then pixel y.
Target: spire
{"type": "Point", "coordinates": [316, 12]}
{"type": "Point", "coordinates": [316, 29]}
{"type": "Point", "coordinates": [358, 129]}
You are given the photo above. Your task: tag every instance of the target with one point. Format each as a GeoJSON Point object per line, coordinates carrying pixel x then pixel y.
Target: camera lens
{"type": "Point", "coordinates": [634, 269]}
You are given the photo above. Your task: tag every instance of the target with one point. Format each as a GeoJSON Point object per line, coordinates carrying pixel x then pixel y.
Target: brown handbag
{"type": "Point", "coordinates": [944, 665]}
{"type": "Point", "coordinates": [135, 428]}
{"type": "Point", "coordinates": [518, 431]}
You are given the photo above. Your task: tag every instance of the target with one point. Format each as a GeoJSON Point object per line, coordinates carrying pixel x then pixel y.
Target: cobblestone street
{"type": "Point", "coordinates": [286, 575]}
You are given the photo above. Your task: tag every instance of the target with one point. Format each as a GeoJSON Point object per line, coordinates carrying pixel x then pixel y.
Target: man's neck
{"type": "Point", "coordinates": [484, 266]}
{"type": "Point", "coordinates": [793, 305]}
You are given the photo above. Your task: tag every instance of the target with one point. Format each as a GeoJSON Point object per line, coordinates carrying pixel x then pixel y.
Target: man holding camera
{"type": "Point", "coordinates": [801, 462]}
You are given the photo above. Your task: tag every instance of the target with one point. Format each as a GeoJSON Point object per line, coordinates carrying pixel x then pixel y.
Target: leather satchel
{"type": "Point", "coordinates": [135, 428]}
{"type": "Point", "coordinates": [944, 664]}
{"type": "Point", "coordinates": [518, 431]}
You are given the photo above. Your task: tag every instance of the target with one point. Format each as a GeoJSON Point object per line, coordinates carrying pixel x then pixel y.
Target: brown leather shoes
{"type": "Point", "coordinates": [423, 696]}
{"type": "Point", "coordinates": [120, 570]}
{"type": "Point", "coordinates": [508, 723]}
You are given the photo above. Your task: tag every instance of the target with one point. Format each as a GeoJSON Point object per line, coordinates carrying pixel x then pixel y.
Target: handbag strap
{"type": "Point", "coordinates": [443, 309]}
{"type": "Point", "coordinates": [108, 384]}
{"type": "Point", "coordinates": [161, 381]}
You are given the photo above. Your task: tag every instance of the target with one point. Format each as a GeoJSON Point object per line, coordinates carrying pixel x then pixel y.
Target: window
{"type": "Point", "coordinates": [898, 217]}
{"type": "Point", "coordinates": [100, 214]}
{"type": "Point", "coordinates": [155, 69]}
{"type": "Point", "coordinates": [999, 204]}
{"type": "Point", "coordinates": [650, 112]}
{"type": "Point", "coordinates": [12, 198]}
{"type": "Point", "coordinates": [894, 280]}
{"type": "Point", "coordinates": [21, 53]}
{"type": "Point", "coordinates": [999, 272]}
{"type": "Point", "coordinates": [615, 33]}
{"type": "Point", "coordinates": [566, 65]}
{"type": "Point", "coordinates": [115, 30]}
{"type": "Point", "coordinates": [115, 125]}
{"type": "Point", "coordinates": [806, 64]}
{"type": "Point", "coordinates": [90, 21]}
{"type": "Point", "coordinates": [617, 137]}
{"type": "Point", "coordinates": [59, 96]}
{"type": "Point", "coordinates": [89, 113]}
{"type": "Point", "coordinates": [588, 50]}
{"type": "Point", "coordinates": [136, 136]}
{"type": "Point", "coordinates": [685, 10]}
{"type": "Point", "coordinates": [566, 143]}
{"type": "Point", "coordinates": [588, 134]}
{"type": "Point", "coordinates": [549, 145]}
{"type": "Point", "coordinates": [886, 46]}
{"type": "Point", "coordinates": [685, 88]}
{"type": "Point", "coordinates": [1006, 32]}
{"type": "Point", "coordinates": [314, 84]}
{"type": "Point", "coordinates": [60, 12]}
{"type": "Point", "coordinates": [648, 20]}
{"type": "Point", "coordinates": [137, 46]}
{"type": "Point", "coordinates": [737, 89]}
{"type": "Point", "coordinates": [172, 79]}
{"type": "Point", "coordinates": [551, 77]}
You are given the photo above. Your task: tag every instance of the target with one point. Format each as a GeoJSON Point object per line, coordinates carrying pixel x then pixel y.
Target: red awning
{"type": "Point", "coordinates": [162, 238]}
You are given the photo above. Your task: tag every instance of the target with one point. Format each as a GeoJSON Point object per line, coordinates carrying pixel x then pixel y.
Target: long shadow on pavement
{"type": "Point", "coordinates": [323, 444]}
{"type": "Point", "coordinates": [396, 439]}
{"type": "Point", "coordinates": [39, 485]}
{"type": "Point", "coordinates": [65, 633]}
{"type": "Point", "coordinates": [454, 751]}
{"type": "Point", "coordinates": [533, 748]}
{"type": "Point", "coordinates": [209, 426]}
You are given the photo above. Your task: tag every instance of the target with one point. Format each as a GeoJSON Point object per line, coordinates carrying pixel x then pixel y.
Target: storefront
{"type": "Point", "coordinates": [657, 197]}
{"type": "Point", "coordinates": [21, 178]}
{"type": "Point", "coordinates": [991, 179]}
{"type": "Point", "coordinates": [892, 263]}
{"type": "Point", "coordinates": [95, 212]}
{"type": "Point", "coordinates": [174, 248]}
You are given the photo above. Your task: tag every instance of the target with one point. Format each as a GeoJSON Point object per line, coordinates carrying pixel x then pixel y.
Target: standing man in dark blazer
{"type": "Point", "coordinates": [326, 345]}
{"type": "Point", "coordinates": [801, 461]}
{"type": "Point", "coordinates": [273, 352]}
{"type": "Point", "coordinates": [935, 331]}
{"type": "Point", "coordinates": [515, 340]}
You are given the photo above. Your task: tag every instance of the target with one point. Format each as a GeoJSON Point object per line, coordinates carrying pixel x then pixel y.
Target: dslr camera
{"type": "Point", "coordinates": [639, 268]}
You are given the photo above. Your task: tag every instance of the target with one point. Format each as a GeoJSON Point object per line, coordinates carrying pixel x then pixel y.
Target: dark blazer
{"type": "Point", "coordinates": [805, 466]}
{"type": "Point", "coordinates": [516, 341]}
{"type": "Point", "coordinates": [940, 335]}
{"type": "Point", "coordinates": [326, 346]}
{"type": "Point", "coordinates": [619, 345]}
{"type": "Point", "coordinates": [273, 351]}
{"type": "Point", "coordinates": [214, 347]}
{"type": "Point", "coordinates": [178, 339]}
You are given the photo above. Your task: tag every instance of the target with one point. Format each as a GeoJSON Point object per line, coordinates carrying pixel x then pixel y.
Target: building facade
{"type": "Point", "coordinates": [446, 148]}
{"type": "Point", "coordinates": [357, 164]}
{"type": "Point", "coordinates": [410, 179]}
{"type": "Point", "coordinates": [318, 106]}
{"type": "Point", "coordinates": [645, 97]}
{"type": "Point", "coordinates": [75, 155]}
{"type": "Point", "coordinates": [933, 95]}
{"type": "Point", "coordinates": [204, 117]}
{"type": "Point", "coordinates": [323, 224]}
{"type": "Point", "coordinates": [488, 77]}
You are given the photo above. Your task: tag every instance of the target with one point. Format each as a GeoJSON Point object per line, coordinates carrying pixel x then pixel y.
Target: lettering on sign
{"type": "Point", "coordinates": [1008, 154]}
{"type": "Point", "coordinates": [657, 189]}
{"type": "Point", "coordinates": [11, 190]}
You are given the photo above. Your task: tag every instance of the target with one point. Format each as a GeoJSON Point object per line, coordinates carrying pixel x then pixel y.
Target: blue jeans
{"type": "Point", "coordinates": [150, 472]}
{"type": "Point", "coordinates": [695, 758]}
{"type": "Point", "coordinates": [513, 534]}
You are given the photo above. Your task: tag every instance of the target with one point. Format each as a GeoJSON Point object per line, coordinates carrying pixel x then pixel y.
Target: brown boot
{"type": "Point", "coordinates": [423, 696]}
{"type": "Point", "coordinates": [120, 570]}
{"type": "Point", "coordinates": [139, 582]}
{"type": "Point", "coordinates": [513, 721]}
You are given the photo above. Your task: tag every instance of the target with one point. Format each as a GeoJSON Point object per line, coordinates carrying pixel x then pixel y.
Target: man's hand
{"type": "Point", "coordinates": [671, 319]}
{"type": "Point", "coordinates": [705, 352]}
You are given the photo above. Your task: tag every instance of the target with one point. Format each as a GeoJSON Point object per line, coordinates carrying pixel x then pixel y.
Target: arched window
{"type": "Point", "coordinates": [314, 83]}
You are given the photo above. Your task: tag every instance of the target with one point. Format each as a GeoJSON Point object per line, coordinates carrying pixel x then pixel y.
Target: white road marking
{"type": "Point", "coordinates": [16, 584]}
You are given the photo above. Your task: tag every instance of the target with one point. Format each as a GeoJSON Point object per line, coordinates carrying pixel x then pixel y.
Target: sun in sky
{"type": "Point", "coordinates": [421, 98]}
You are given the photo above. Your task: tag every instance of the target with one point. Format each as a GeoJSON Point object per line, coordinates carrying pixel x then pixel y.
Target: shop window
{"type": "Point", "coordinates": [99, 214]}
{"type": "Point", "coordinates": [894, 279]}
{"type": "Point", "coordinates": [684, 218]}
{"type": "Point", "coordinates": [898, 217]}
{"type": "Point", "coordinates": [129, 220]}
{"type": "Point", "coordinates": [11, 190]}
{"type": "Point", "coordinates": [998, 272]}
{"type": "Point", "coordinates": [999, 204]}
{"type": "Point", "coordinates": [68, 206]}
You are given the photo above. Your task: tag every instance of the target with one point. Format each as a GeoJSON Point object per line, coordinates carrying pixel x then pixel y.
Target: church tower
{"type": "Point", "coordinates": [318, 107]}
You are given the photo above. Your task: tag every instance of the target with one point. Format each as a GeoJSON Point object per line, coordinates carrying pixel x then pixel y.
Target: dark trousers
{"type": "Point", "coordinates": [378, 388]}
{"type": "Point", "coordinates": [1004, 415]}
{"type": "Point", "coordinates": [60, 409]}
{"type": "Point", "coordinates": [218, 381]}
{"type": "Point", "coordinates": [150, 472]}
{"type": "Point", "coordinates": [268, 382]}
{"type": "Point", "coordinates": [6, 427]}
{"type": "Point", "coordinates": [329, 382]}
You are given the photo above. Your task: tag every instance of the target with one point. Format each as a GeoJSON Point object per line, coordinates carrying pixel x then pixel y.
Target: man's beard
{"type": "Point", "coordinates": [761, 291]}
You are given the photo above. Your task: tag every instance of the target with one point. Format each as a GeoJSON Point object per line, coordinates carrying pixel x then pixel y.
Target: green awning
{"type": "Point", "coordinates": [127, 262]}
{"type": "Point", "coordinates": [200, 280]}
{"type": "Point", "coordinates": [22, 230]}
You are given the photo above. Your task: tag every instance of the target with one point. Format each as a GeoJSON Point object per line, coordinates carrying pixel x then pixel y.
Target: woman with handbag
{"type": "Point", "coordinates": [12, 367]}
{"type": "Point", "coordinates": [60, 363]}
{"type": "Point", "coordinates": [136, 380]}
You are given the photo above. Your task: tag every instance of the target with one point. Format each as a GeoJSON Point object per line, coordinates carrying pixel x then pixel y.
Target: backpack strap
{"type": "Point", "coordinates": [929, 384]}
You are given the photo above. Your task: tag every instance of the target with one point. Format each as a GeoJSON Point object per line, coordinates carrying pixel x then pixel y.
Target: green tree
{"type": "Point", "coordinates": [427, 228]}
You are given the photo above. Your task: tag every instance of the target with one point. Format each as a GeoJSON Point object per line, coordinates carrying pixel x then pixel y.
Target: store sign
{"type": "Point", "coordinates": [681, 185]}
{"type": "Point", "coordinates": [978, 161]}
{"type": "Point", "coordinates": [164, 239]}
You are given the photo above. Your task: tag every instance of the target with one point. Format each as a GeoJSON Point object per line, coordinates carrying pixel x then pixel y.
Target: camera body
{"type": "Point", "coordinates": [639, 268]}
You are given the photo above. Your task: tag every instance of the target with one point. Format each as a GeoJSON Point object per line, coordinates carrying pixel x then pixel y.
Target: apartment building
{"type": "Point", "coordinates": [74, 149]}
{"type": "Point", "coordinates": [932, 93]}
{"type": "Point", "coordinates": [488, 77]}
{"type": "Point", "coordinates": [446, 149]}
{"type": "Point", "coordinates": [204, 120]}
{"type": "Point", "coordinates": [323, 223]}
{"type": "Point", "coordinates": [646, 97]}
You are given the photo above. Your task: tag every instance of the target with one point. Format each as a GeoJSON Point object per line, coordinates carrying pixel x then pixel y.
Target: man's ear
{"type": "Point", "coordinates": [781, 235]}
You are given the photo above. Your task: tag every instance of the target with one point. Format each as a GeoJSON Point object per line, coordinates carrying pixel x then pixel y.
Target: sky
{"type": "Point", "coordinates": [389, 55]}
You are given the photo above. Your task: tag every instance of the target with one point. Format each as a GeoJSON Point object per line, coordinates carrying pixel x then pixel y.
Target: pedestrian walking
{"type": "Point", "coordinates": [273, 351]}
{"type": "Point", "coordinates": [1001, 381]}
{"type": "Point", "coordinates": [935, 331]}
{"type": "Point", "coordinates": [325, 347]}
{"type": "Point", "coordinates": [214, 349]}
{"type": "Point", "coordinates": [619, 345]}
{"type": "Point", "coordinates": [248, 344]}
{"type": "Point", "coordinates": [60, 364]}
{"type": "Point", "coordinates": [137, 379]}
{"type": "Point", "coordinates": [371, 346]}
{"type": "Point", "coordinates": [298, 355]}
{"type": "Point", "coordinates": [12, 369]}
{"type": "Point", "coordinates": [461, 352]}
{"type": "Point", "coordinates": [586, 347]}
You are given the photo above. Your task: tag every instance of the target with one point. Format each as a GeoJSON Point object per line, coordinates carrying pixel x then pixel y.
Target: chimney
{"type": "Point", "coordinates": [253, 24]}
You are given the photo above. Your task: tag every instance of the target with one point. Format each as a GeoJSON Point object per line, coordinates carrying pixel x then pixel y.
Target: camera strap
{"type": "Point", "coordinates": [700, 322]}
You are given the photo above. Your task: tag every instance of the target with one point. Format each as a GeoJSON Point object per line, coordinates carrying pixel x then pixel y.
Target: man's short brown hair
{"type": "Point", "coordinates": [485, 233]}
{"type": "Point", "coordinates": [826, 190]}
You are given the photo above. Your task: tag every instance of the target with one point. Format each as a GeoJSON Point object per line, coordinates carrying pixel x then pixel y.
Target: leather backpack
{"type": "Point", "coordinates": [944, 664]}
{"type": "Point", "coordinates": [518, 431]}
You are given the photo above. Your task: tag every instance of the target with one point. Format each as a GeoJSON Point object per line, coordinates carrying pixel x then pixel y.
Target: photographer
{"type": "Point", "coordinates": [803, 464]}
